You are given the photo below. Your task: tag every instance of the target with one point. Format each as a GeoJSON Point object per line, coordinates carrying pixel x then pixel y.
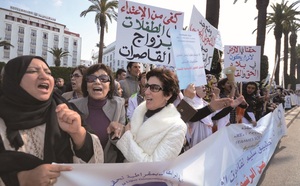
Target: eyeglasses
{"type": "Point", "coordinates": [75, 76]}
{"type": "Point", "coordinates": [154, 87]}
{"type": "Point", "coordinates": [93, 78]}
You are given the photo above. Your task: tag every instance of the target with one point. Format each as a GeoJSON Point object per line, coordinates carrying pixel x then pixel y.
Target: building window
{"type": "Point", "coordinates": [22, 20]}
{"type": "Point", "coordinates": [8, 17]}
{"type": "Point", "coordinates": [46, 27]}
{"type": "Point", "coordinates": [45, 36]}
{"type": "Point", "coordinates": [21, 30]}
{"type": "Point", "coordinates": [21, 40]}
{"type": "Point", "coordinates": [33, 41]}
{"type": "Point", "coordinates": [33, 33]}
{"type": "Point", "coordinates": [56, 38]}
{"type": "Point", "coordinates": [66, 40]}
{"type": "Point", "coordinates": [20, 48]}
{"type": "Point", "coordinates": [32, 51]}
{"type": "Point", "coordinates": [6, 55]}
{"type": "Point", "coordinates": [75, 43]}
{"type": "Point", "coordinates": [55, 29]}
{"type": "Point", "coordinates": [8, 27]}
{"type": "Point", "coordinates": [7, 37]}
{"type": "Point", "coordinates": [6, 47]}
{"type": "Point", "coordinates": [34, 24]}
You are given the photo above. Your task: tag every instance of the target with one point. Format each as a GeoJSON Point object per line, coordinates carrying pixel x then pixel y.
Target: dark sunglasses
{"type": "Point", "coordinates": [75, 75]}
{"type": "Point", "coordinates": [154, 87]}
{"type": "Point", "coordinates": [93, 78]}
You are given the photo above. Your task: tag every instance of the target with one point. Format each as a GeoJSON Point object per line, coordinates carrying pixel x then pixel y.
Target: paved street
{"type": "Point", "coordinates": [284, 166]}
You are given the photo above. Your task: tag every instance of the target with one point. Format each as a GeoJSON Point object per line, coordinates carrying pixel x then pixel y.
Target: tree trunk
{"type": "Point", "coordinates": [261, 6]}
{"type": "Point", "coordinates": [57, 62]}
{"type": "Point", "coordinates": [293, 42]}
{"type": "Point", "coordinates": [212, 16]}
{"type": "Point", "coordinates": [101, 43]}
{"type": "Point", "coordinates": [298, 70]}
{"type": "Point", "coordinates": [278, 34]}
{"type": "Point", "coordinates": [213, 12]}
{"type": "Point", "coordinates": [285, 58]}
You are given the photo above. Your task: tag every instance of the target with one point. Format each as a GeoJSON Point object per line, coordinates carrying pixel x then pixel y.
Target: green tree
{"type": "Point", "coordinates": [58, 53]}
{"type": "Point", "coordinates": [104, 9]}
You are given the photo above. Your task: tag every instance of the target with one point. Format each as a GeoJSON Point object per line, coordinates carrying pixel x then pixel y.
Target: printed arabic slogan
{"type": "Point", "coordinates": [246, 59]}
{"type": "Point", "coordinates": [143, 33]}
{"type": "Point", "coordinates": [208, 36]}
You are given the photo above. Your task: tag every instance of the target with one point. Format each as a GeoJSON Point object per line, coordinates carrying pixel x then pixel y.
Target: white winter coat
{"type": "Point", "coordinates": [159, 138]}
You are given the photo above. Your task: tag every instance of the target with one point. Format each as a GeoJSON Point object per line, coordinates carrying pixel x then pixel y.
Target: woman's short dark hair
{"type": "Point", "coordinates": [170, 83]}
{"type": "Point", "coordinates": [81, 69]}
{"type": "Point", "coordinates": [92, 69]}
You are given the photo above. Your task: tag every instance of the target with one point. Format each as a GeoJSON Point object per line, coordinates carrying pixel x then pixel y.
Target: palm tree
{"type": "Point", "coordinates": [58, 53]}
{"type": "Point", "coordinates": [5, 43]}
{"type": "Point", "coordinates": [281, 21]}
{"type": "Point", "coordinates": [104, 9]}
{"type": "Point", "coordinates": [290, 13]}
{"type": "Point", "coordinates": [275, 20]}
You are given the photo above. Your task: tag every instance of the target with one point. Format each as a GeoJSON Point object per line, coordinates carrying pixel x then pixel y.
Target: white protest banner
{"type": "Point", "coordinates": [294, 99]}
{"type": "Point", "coordinates": [143, 33]}
{"type": "Point", "coordinates": [188, 58]}
{"type": "Point", "coordinates": [246, 59]}
{"type": "Point", "coordinates": [234, 155]}
{"type": "Point", "coordinates": [207, 34]}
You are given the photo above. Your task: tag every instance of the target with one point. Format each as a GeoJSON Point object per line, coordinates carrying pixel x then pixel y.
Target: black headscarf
{"type": "Point", "coordinates": [21, 111]}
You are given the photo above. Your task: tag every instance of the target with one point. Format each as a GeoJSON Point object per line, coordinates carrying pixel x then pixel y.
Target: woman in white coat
{"type": "Point", "coordinates": [156, 131]}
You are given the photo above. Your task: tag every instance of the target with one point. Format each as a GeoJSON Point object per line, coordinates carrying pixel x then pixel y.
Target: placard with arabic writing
{"type": "Point", "coordinates": [208, 35]}
{"type": "Point", "coordinates": [246, 59]}
{"type": "Point", "coordinates": [143, 33]}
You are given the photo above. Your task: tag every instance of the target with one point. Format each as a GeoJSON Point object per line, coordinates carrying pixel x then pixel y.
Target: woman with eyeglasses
{"type": "Point", "coordinates": [156, 131]}
{"type": "Point", "coordinates": [76, 80]}
{"type": "Point", "coordinates": [38, 127]}
{"type": "Point", "coordinates": [100, 107]}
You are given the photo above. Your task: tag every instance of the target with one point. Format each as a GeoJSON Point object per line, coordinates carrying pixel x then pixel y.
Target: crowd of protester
{"type": "Point", "coordinates": [133, 116]}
